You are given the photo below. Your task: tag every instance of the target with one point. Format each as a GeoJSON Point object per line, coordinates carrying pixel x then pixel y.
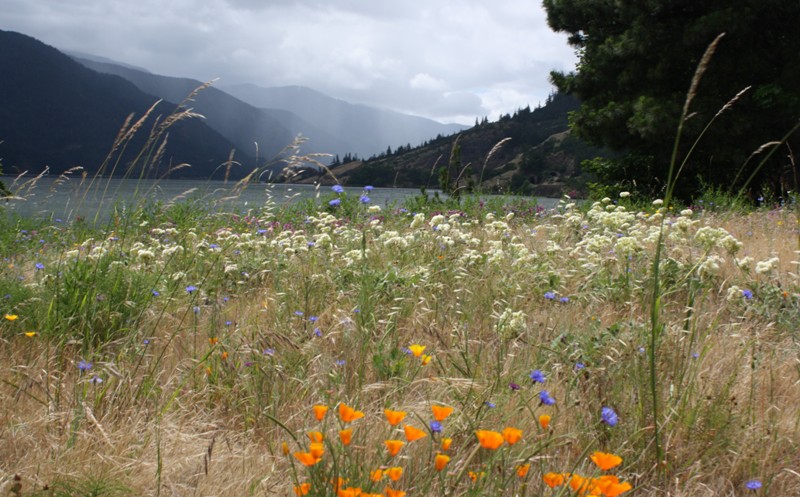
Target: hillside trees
{"type": "Point", "coordinates": [636, 61]}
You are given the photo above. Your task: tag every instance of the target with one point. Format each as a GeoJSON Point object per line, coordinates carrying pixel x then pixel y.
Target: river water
{"type": "Point", "coordinates": [68, 199]}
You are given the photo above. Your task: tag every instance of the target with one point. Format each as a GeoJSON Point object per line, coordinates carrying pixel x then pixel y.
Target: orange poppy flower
{"type": "Point", "coordinates": [441, 461]}
{"type": "Point", "coordinates": [315, 436]}
{"type": "Point", "coordinates": [306, 458]}
{"type": "Point", "coordinates": [615, 489]}
{"type": "Point", "coordinates": [440, 413]}
{"type": "Point", "coordinates": [224, 355]}
{"type": "Point", "coordinates": [489, 439]}
{"type": "Point", "coordinates": [394, 446]}
{"type": "Point", "coordinates": [446, 443]}
{"type": "Point", "coordinates": [553, 480]}
{"type": "Point", "coordinates": [319, 411]}
{"type": "Point", "coordinates": [376, 475]}
{"type": "Point", "coordinates": [316, 450]}
{"type": "Point", "coordinates": [522, 471]}
{"type": "Point", "coordinates": [394, 473]}
{"type": "Point", "coordinates": [302, 489]}
{"type": "Point", "coordinates": [413, 433]}
{"type": "Point", "coordinates": [349, 414]}
{"type": "Point", "coordinates": [213, 341]}
{"type": "Point", "coordinates": [426, 359]}
{"type": "Point", "coordinates": [349, 492]}
{"type": "Point", "coordinates": [605, 461]}
{"type": "Point", "coordinates": [394, 417]}
{"type": "Point", "coordinates": [512, 435]}
{"type": "Point", "coordinates": [285, 448]}
{"type": "Point", "coordinates": [346, 436]}
{"type": "Point", "coordinates": [416, 349]}
{"type": "Point", "coordinates": [544, 421]}
{"type": "Point", "coordinates": [393, 493]}
{"type": "Point", "coordinates": [474, 476]}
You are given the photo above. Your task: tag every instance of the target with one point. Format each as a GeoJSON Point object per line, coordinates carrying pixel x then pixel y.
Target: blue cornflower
{"type": "Point", "coordinates": [546, 399]}
{"type": "Point", "coordinates": [753, 484]}
{"type": "Point", "coordinates": [84, 366]}
{"type": "Point", "coordinates": [298, 313]}
{"type": "Point", "coordinates": [318, 332]}
{"type": "Point", "coordinates": [146, 341]}
{"type": "Point", "coordinates": [695, 355]}
{"type": "Point", "coordinates": [269, 351]}
{"type": "Point", "coordinates": [334, 202]}
{"type": "Point", "coordinates": [313, 319]}
{"type": "Point", "coordinates": [608, 416]}
{"type": "Point", "coordinates": [228, 323]}
{"type": "Point", "coordinates": [196, 309]}
{"type": "Point", "coordinates": [564, 300]}
{"type": "Point", "coordinates": [96, 380]}
{"type": "Point", "coordinates": [191, 289]}
{"type": "Point", "coordinates": [490, 405]}
{"type": "Point", "coordinates": [340, 362]}
{"type": "Point", "coordinates": [436, 427]}
{"type": "Point", "coordinates": [261, 232]}
{"type": "Point", "coordinates": [549, 295]}
{"type": "Point", "coordinates": [364, 199]}
{"type": "Point", "coordinates": [537, 376]}
{"type": "Point", "coordinates": [368, 188]}
{"type": "Point", "coordinates": [155, 293]}
{"type": "Point", "coordinates": [337, 188]}
{"type": "Point", "coordinates": [39, 266]}
{"type": "Point", "coordinates": [748, 294]}
{"type": "Point", "coordinates": [579, 366]}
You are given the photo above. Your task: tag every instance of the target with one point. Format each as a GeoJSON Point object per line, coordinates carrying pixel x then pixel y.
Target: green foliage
{"type": "Point", "coordinates": [637, 60]}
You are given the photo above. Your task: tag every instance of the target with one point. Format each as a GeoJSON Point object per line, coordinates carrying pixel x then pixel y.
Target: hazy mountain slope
{"type": "Point", "coordinates": [242, 124]}
{"type": "Point", "coordinates": [58, 113]}
{"type": "Point", "coordinates": [368, 129]}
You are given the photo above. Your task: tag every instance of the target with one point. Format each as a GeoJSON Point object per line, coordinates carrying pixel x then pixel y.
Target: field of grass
{"type": "Point", "coordinates": [175, 351]}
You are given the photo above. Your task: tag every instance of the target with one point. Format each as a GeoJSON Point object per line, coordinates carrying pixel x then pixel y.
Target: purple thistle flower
{"type": "Point", "coordinates": [537, 376]}
{"type": "Point", "coordinates": [546, 399]}
{"type": "Point", "coordinates": [513, 386]}
{"type": "Point", "coordinates": [608, 416]}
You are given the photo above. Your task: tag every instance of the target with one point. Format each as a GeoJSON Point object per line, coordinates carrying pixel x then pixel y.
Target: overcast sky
{"type": "Point", "coordinates": [450, 60]}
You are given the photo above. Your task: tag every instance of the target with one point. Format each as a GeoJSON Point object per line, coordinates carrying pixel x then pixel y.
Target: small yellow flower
{"type": "Point", "coordinates": [415, 349]}
{"type": "Point", "coordinates": [213, 341]}
{"type": "Point", "coordinates": [30, 333]}
{"type": "Point", "coordinates": [11, 317]}
{"type": "Point", "coordinates": [425, 359]}
{"type": "Point", "coordinates": [285, 448]}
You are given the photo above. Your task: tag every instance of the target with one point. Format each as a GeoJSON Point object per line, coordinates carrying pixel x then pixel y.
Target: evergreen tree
{"type": "Point", "coordinates": [637, 59]}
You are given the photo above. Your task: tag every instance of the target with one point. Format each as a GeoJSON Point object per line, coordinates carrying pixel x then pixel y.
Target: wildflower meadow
{"type": "Point", "coordinates": [335, 347]}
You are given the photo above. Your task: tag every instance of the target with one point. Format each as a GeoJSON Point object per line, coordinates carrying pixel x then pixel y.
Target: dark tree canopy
{"type": "Point", "coordinates": [636, 62]}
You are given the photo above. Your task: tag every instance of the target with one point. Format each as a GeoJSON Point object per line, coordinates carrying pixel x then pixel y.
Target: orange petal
{"type": "Point", "coordinates": [413, 433]}
{"type": "Point", "coordinates": [440, 413]}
